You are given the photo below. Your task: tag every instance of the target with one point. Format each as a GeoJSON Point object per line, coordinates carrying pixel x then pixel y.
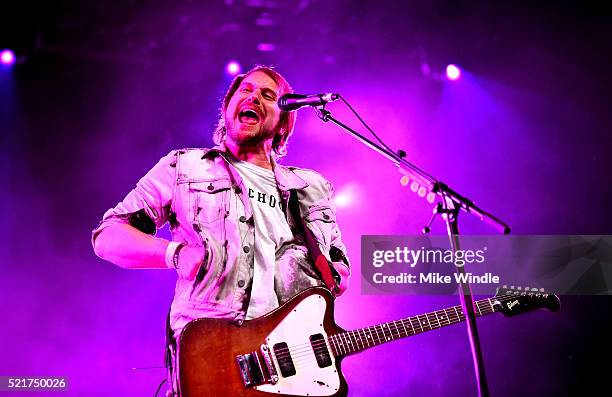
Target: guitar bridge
{"type": "Point", "coordinates": [265, 352]}
{"type": "Point", "coordinates": [256, 370]}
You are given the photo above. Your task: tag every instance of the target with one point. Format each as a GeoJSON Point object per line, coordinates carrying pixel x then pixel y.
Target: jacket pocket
{"type": "Point", "coordinates": [320, 219]}
{"type": "Point", "coordinates": [209, 199]}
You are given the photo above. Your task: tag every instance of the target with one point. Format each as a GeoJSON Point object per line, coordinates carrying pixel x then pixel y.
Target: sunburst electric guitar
{"type": "Point", "coordinates": [297, 349]}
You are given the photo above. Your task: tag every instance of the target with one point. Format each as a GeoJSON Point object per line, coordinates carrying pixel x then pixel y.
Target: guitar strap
{"type": "Point", "coordinates": [170, 356]}
{"type": "Point", "coordinates": [322, 266]}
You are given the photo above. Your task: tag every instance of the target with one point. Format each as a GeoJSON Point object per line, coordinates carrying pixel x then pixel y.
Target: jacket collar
{"type": "Point", "coordinates": [286, 179]}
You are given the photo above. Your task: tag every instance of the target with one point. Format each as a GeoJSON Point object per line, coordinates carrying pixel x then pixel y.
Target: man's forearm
{"type": "Point", "coordinates": [130, 248]}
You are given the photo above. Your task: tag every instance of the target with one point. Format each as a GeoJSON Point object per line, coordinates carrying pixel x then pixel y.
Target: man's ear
{"type": "Point", "coordinates": [281, 136]}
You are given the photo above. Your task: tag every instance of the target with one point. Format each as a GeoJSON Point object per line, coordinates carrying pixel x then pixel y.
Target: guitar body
{"type": "Point", "coordinates": [295, 333]}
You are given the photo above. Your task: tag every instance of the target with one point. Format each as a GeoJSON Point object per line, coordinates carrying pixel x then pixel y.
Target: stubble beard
{"type": "Point", "coordinates": [252, 136]}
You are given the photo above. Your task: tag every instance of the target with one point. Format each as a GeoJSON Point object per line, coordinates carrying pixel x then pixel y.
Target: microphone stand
{"type": "Point", "coordinates": [452, 204]}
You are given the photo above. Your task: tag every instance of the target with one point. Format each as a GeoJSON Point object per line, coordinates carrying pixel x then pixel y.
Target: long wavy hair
{"type": "Point", "coordinates": [287, 119]}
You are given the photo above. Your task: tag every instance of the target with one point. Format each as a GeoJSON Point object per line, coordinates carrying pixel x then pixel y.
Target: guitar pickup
{"type": "Point", "coordinates": [253, 371]}
{"type": "Point", "coordinates": [319, 348]}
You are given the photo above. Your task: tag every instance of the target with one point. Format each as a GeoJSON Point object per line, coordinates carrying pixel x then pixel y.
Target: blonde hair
{"type": "Point", "coordinates": [287, 119]}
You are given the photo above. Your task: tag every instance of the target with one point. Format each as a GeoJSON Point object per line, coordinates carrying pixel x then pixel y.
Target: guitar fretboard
{"type": "Point", "coordinates": [360, 339]}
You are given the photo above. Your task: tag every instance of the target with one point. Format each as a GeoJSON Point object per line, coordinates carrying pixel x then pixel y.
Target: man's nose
{"type": "Point", "coordinates": [254, 97]}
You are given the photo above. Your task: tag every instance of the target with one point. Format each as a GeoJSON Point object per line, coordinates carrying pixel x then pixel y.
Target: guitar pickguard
{"type": "Point", "coordinates": [296, 330]}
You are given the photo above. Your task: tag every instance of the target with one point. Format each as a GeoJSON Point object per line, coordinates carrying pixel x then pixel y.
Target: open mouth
{"type": "Point", "coordinates": [248, 116]}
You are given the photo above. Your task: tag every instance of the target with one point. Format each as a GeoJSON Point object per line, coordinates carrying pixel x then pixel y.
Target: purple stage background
{"type": "Point", "coordinates": [101, 91]}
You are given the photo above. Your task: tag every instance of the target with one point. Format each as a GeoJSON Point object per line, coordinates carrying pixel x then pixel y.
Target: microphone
{"type": "Point", "coordinates": [289, 102]}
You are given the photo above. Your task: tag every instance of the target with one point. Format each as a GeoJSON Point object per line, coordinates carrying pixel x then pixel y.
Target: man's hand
{"type": "Point", "coordinates": [189, 261]}
{"type": "Point", "coordinates": [344, 273]}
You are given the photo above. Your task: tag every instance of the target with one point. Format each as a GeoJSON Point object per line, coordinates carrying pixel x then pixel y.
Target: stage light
{"type": "Point", "coordinates": [266, 47]}
{"type": "Point", "coordinates": [7, 57]}
{"type": "Point", "coordinates": [348, 196]}
{"type": "Point", "coordinates": [418, 189]}
{"type": "Point", "coordinates": [343, 199]}
{"type": "Point", "coordinates": [453, 72]}
{"type": "Point", "coordinates": [233, 68]}
{"type": "Point", "coordinates": [425, 69]}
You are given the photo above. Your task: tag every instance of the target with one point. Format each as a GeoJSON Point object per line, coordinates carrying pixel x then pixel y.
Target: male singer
{"type": "Point", "coordinates": [236, 246]}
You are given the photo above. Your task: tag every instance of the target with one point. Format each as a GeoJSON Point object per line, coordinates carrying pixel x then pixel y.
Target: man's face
{"type": "Point", "coordinates": [252, 115]}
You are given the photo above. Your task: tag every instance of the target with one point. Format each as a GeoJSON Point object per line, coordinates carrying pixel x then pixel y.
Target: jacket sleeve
{"type": "Point", "coordinates": [320, 215]}
{"type": "Point", "coordinates": [147, 206]}
{"type": "Point", "coordinates": [337, 251]}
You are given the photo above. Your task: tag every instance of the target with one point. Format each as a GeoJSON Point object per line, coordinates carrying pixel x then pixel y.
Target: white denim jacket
{"type": "Point", "coordinates": [206, 203]}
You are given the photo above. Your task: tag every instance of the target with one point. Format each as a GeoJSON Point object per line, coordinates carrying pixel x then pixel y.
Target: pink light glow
{"type": "Point", "coordinates": [453, 72]}
{"type": "Point", "coordinates": [348, 195]}
{"type": "Point", "coordinates": [343, 200]}
{"type": "Point", "coordinates": [266, 47]}
{"type": "Point", "coordinates": [233, 68]}
{"type": "Point", "coordinates": [7, 57]}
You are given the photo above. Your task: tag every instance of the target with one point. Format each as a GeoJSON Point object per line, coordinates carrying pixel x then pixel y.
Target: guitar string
{"type": "Point", "coordinates": [356, 342]}
{"type": "Point", "coordinates": [378, 329]}
{"type": "Point", "coordinates": [299, 360]}
{"type": "Point", "coordinates": [355, 335]}
{"type": "Point", "coordinates": [351, 340]}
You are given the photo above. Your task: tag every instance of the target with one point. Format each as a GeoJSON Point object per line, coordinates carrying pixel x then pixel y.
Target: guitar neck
{"type": "Point", "coordinates": [345, 343]}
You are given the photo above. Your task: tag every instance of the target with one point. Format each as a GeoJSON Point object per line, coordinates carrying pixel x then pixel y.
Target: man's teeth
{"type": "Point", "coordinates": [249, 116]}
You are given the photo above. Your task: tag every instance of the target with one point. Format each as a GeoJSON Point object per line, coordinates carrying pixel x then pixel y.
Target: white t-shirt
{"type": "Point", "coordinates": [271, 232]}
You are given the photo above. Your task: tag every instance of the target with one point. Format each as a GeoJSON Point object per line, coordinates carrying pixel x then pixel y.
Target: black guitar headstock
{"type": "Point", "coordinates": [515, 300]}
